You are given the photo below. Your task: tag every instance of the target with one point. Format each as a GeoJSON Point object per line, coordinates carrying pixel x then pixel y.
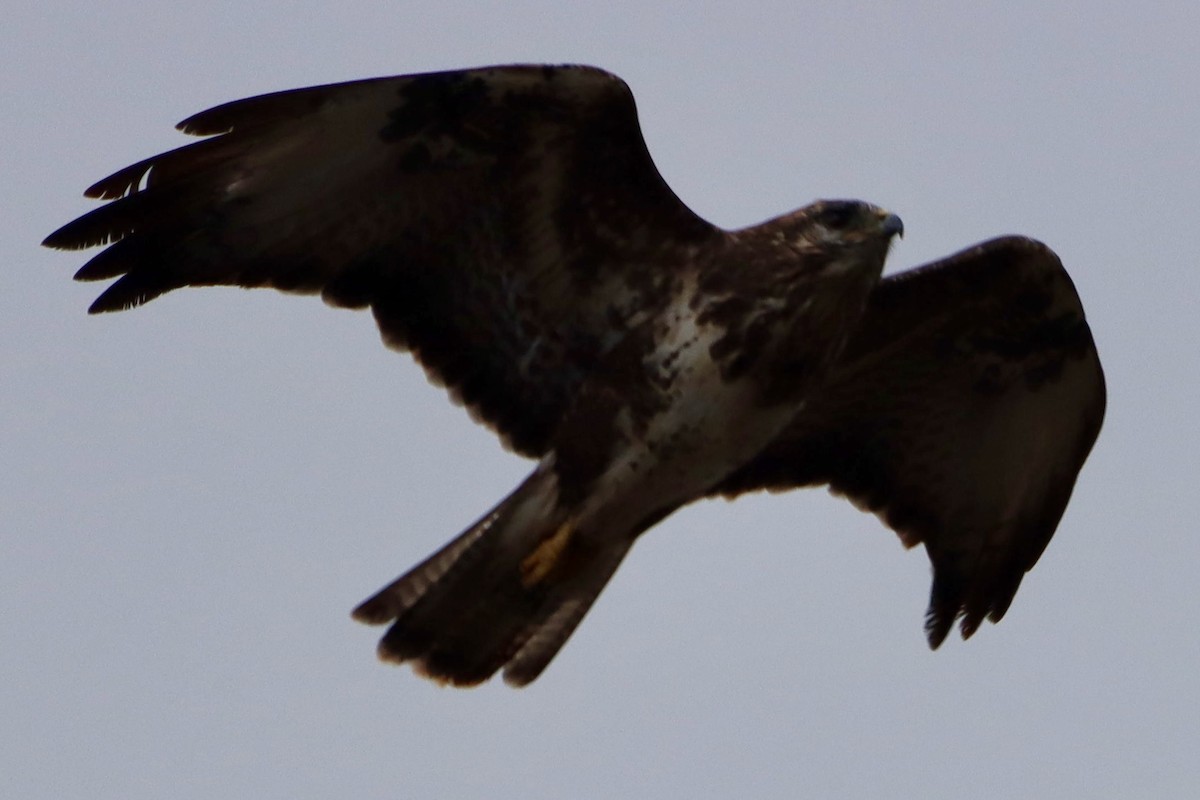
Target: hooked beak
{"type": "Point", "coordinates": [892, 226]}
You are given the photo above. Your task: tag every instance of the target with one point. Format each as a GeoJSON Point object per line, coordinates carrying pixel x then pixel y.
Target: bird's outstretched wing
{"type": "Point", "coordinates": [960, 414]}
{"type": "Point", "coordinates": [503, 224]}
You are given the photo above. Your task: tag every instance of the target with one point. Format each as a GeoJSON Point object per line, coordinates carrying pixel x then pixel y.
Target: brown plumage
{"type": "Point", "coordinates": [508, 227]}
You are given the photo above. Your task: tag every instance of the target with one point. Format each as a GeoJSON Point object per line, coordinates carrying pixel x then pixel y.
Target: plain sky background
{"type": "Point", "coordinates": [195, 494]}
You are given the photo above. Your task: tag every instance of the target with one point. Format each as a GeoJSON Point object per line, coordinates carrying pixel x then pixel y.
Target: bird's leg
{"type": "Point", "coordinates": [545, 557]}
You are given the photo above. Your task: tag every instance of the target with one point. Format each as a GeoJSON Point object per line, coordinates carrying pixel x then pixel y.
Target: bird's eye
{"type": "Point", "coordinates": [838, 215]}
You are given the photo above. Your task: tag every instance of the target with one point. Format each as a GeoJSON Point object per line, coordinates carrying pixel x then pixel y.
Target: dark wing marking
{"type": "Point", "coordinates": [506, 225]}
{"type": "Point", "coordinates": [961, 415]}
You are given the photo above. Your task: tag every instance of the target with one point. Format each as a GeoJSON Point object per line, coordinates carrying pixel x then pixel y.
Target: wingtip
{"type": "Point", "coordinates": [63, 238]}
{"type": "Point", "coordinates": [122, 296]}
{"type": "Point", "coordinates": [936, 629]}
{"type": "Point", "coordinates": [938, 625]}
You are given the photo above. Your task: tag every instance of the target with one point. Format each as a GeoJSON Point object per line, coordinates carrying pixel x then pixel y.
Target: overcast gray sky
{"type": "Point", "coordinates": [195, 494]}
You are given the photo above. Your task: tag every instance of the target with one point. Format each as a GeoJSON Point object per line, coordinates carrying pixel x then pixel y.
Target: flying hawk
{"type": "Point", "coordinates": [508, 227]}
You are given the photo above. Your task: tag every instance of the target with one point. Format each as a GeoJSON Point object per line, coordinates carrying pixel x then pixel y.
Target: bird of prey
{"type": "Point", "coordinates": [508, 228]}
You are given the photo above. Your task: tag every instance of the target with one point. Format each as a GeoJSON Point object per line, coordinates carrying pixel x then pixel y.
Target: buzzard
{"type": "Point", "coordinates": [508, 228]}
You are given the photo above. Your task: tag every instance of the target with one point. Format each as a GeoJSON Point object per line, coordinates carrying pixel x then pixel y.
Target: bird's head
{"type": "Point", "coordinates": [832, 255]}
{"type": "Point", "coordinates": [845, 234]}
{"type": "Point", "coordinates": [832, 242]}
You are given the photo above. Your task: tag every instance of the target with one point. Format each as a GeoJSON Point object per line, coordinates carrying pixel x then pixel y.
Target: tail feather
{"type": "Point", "coordinates": [406, 591]}
{"type": "Point", "coordinates": [556, 626]}
{"type": "Point", "coordinates": [469, 610]}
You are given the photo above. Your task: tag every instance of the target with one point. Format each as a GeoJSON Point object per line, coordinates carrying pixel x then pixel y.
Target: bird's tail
{"type": "Point", "coordinates": [506, 593]}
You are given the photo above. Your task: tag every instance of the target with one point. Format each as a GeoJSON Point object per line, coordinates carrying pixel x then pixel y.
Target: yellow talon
{"type": "Point", "coordinates": [544, 558]}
